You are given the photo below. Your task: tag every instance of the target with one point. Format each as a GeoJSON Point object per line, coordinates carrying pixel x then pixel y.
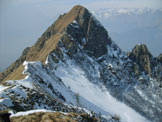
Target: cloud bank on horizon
{"type": "Point", "coordinates": [23, 21]}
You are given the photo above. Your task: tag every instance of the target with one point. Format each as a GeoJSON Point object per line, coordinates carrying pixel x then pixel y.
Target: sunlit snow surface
{"type": "Point", "coordinates": [74, 77]}
{"type": "Point", "coordinates": [2, 88]}
{"type": "Point", "coordinates": [29, 112]}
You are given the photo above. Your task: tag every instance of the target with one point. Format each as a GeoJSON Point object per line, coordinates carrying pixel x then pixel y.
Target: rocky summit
{"type": "Point", "coordinates": [146, 62]}
{"type": "Point", "coordinates": [76, 70]}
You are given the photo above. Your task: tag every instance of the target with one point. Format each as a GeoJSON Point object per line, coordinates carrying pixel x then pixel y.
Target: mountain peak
{"type": "Point", "coordinates": [142, 49]}
{"type": "Point", "coordinates": [79, 11]}
{"type": "Point", "coordinates": [142, 56]}
{"type": "Point", "coordinates": [81, 25]}
{"type": "Point", "coordinates": [78, 8]}
{"type": "Point", "coordinates": [76, 26]}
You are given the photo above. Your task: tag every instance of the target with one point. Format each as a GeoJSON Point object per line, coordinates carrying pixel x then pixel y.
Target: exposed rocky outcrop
{"type": "Point", "coordinates": [141, 55]}
{"type": "Point", "coordinates": [146, 62]}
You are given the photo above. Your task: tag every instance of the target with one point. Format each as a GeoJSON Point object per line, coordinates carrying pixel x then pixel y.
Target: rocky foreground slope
{"type": "Point", "coordinates": [43, 116]}
{"type": "Point", "coordinates": [76, 67]}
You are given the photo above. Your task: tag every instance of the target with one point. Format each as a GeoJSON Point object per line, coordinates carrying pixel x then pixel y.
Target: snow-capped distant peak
{"type": "Point", "coordinates": [108, 12]}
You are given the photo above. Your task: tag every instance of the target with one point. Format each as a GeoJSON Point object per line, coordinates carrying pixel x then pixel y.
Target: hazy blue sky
{"type": "Point", "coordinates": [23, 21]}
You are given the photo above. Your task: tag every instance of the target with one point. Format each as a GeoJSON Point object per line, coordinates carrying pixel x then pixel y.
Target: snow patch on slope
{"type": "Point", "coordinates": [3, 88]}
{"type": "Point", "coordinates": [75, 78]}
{"type": "Point", "coordinates": [30, 112]}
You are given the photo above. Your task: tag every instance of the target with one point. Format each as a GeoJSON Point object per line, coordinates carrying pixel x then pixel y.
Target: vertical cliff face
{"type": "Point", "coordinates": [86, 26]}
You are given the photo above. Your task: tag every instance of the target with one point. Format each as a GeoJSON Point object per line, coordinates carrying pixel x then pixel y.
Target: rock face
{"type": "Point", "coordinates": [75, 65]}
{"type": "Point", "coordinates": [142, 57]}
{"type": "Point", "coordinates": [146, 62]}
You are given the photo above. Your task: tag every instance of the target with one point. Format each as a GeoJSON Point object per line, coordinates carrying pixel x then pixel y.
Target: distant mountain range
{"type": "Point", "coordinates": [109, 12]}
{"type": "Point", "coordinates": [129, 27]}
